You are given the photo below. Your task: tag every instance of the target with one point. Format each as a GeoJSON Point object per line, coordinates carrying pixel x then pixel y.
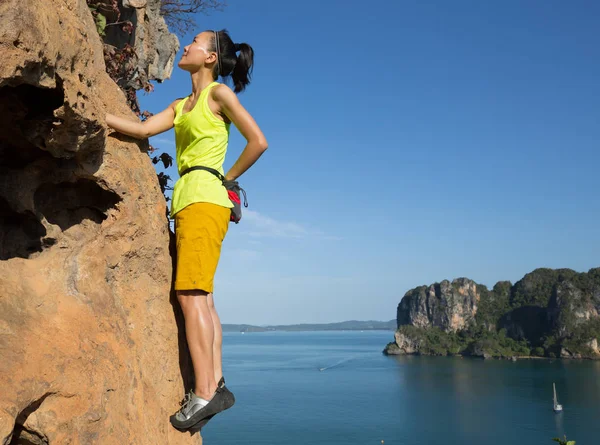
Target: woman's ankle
{"type": "Point", "coordinates": [207, 391]}
{"type": "Point", "coordinates": [204, 395]}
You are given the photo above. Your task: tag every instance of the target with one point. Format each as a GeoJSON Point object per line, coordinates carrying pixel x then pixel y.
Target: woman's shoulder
{"type": "Point", "coordinates": [176, 103]}
{"type": "Point", "coordinates": [178, 100]}
{"type": "Point", "coordinates": [221, 93]}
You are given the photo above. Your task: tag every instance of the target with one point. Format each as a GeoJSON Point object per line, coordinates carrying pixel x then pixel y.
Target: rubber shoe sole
{"type": "Point", "coordinates": [215, 406]}
{"type": "Point", "coordinates": [228, 402]}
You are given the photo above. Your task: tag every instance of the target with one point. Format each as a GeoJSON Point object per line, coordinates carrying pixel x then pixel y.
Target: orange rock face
{"type": "Point", "coordinates": [90, 349]}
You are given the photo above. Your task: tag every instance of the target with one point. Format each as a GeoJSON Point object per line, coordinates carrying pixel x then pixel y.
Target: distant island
{"type": "Point", "coordinates": [548, 313]}
{"type": "Point", "coordinates": [351, 325]}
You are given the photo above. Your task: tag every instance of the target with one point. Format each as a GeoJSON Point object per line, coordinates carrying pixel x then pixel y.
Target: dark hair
{"type": "Point", "coordinates": [239, 67]}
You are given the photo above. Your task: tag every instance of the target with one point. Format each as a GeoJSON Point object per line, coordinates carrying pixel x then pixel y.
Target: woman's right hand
{"type": "Point", "coordinates": [159, 123]}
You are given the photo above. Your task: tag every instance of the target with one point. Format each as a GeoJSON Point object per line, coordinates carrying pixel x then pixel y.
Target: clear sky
{"type": "Point", "coordinates": [409, 142]}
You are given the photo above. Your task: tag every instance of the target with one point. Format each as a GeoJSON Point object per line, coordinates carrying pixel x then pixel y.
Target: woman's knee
{"type": "Point", "coordinates": [192, 297]}
{"type": "Point", "coordinates": [182, 297]}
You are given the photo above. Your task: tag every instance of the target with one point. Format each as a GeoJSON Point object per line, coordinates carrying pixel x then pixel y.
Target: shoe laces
{"type": "Point", "coordinates": [186, 401]}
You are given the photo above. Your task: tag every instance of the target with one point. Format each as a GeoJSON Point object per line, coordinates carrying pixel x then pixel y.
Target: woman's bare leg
{"type": "Point", "coordinates": [218, 339]}
{"type": "Point", "coordinates": [200, 334]}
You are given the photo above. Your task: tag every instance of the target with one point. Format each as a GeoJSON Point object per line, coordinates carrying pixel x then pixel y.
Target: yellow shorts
{"type": "Point", "coordinates": [199, 232]}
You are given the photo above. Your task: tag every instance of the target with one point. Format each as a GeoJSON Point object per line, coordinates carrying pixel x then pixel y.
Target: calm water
{"type": "Point", "coordinates": [337, 388]}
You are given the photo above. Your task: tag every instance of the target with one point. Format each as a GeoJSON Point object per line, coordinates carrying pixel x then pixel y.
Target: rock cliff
{"type": "Point", "coordinates": [154, 46]}
{"type": "Point", "coordinates": [548, 312]}
{"type": "Point", "coordinates": [90, 346]}
{"type": "Point", "coordinates": [448, 306]}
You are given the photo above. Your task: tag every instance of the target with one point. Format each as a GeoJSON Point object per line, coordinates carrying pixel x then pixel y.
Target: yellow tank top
{"type": "Point", "coordinates": [200, 139]}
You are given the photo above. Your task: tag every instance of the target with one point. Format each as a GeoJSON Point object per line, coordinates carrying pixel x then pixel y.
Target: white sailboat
{"type": "Point", "coordinates": [557, 407]}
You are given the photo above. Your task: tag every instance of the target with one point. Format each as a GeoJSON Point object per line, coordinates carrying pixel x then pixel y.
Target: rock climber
{"type": "Point", "coordinates": [201, 205]}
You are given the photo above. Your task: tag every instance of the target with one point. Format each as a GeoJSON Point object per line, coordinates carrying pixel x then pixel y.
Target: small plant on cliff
{"type": "Point", "coordinates": [164, 158]}
{"type": "Point", "coordinates": [564, 441]}
{"type": "Point", "coordinates": [121, 62]}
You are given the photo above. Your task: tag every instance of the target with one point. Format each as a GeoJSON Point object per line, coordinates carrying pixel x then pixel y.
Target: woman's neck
{"type": "Point", "coordinates": [200, 80]}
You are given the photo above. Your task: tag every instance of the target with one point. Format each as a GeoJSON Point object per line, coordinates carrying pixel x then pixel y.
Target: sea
{"type": "Point", "coordinates": [337, 388]}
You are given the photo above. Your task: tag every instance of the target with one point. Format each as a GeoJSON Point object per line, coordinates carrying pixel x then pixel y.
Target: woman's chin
{"type": "Point", "coordinates": [185, 66]}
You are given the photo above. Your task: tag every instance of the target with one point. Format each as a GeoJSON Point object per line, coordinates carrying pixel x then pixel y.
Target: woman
{"type": "Point", "coordinates": [200, 203]}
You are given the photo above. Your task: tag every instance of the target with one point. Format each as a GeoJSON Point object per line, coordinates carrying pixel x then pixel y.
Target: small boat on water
{"type": "Point", "coordinates": [557, 407]}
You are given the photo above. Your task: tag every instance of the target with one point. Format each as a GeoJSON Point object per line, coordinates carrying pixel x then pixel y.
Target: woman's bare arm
{"type": "Point", "coordinates": [257, 144]}
{"type": "Point", "coordinates": [152, 126]}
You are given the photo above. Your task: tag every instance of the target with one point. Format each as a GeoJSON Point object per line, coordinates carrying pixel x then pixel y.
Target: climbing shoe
{"type": "Point", "coordinates": [229, 400]}
{"type": "Point", "coordinates": [193, 411]}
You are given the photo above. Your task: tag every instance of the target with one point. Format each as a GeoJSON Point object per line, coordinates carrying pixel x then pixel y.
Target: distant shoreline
{"type": "Point", "coordinates": [352, 325]}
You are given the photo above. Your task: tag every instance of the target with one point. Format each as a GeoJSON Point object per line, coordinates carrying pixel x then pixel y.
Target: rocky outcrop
{"type": "Point", "coordinates": [590, 350]}
{"type": "Point", "coordinates": [548, 312]}
{"type": "Point", "coordinates": [90, 346]}
{"type": "Point", "coordinates": [450, 306]}
{"type": "Point", "coordinates": [571, 307]}
{"type": "Point", "coordinates": [405, 344]}
{"type": "Point", "coordinates": [154, 46]}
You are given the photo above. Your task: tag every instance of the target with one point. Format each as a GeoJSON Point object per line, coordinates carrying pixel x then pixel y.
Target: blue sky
{"type": "Point", "coordinates": [409, 142]}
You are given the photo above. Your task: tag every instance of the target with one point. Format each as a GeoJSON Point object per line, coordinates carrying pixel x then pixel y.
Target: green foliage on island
{"type": "Point", "coordinates": [495, 344]}
{"type": "Point", "coordinates": [434, 341]}
{"type": "Point", "coordinates": [536, 288]}
{"type": "Point", "coordinates": [493, 304]}
{"type": "Point", "coordinates": [577, 342]}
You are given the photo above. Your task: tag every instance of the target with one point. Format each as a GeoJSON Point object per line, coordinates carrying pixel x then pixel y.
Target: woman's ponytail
{"type": "Point", "coordinates": [242, 72]}
{"type": "Point", "coordinates": [238, 66]}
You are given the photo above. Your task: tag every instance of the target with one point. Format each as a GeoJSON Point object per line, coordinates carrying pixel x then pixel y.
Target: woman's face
{"type": "Point", "coordinates": [196, 54]}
